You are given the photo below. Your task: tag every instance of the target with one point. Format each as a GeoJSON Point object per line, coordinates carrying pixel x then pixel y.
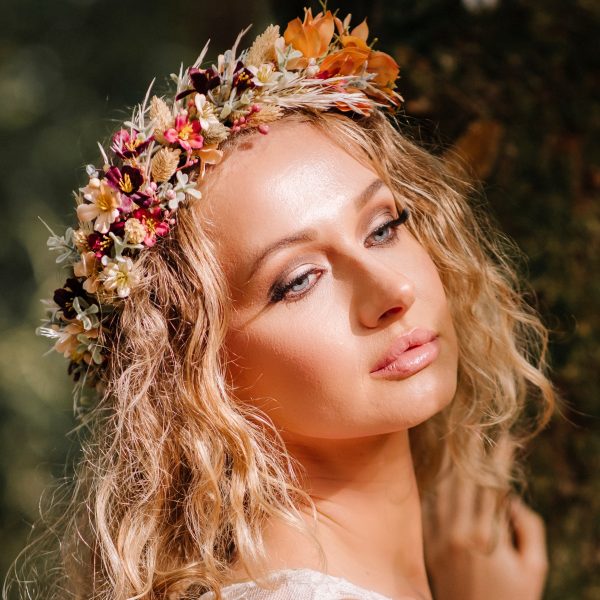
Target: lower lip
{"type": "Point", "coordinates": [410, 362]}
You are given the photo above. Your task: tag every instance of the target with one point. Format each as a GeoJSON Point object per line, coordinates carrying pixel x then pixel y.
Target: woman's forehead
{"type": "Point", "coordinates": [292, 178]}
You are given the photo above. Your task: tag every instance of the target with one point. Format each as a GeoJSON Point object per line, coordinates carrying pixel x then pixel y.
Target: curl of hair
{"type": "Point", "coordinates": [177, 478]}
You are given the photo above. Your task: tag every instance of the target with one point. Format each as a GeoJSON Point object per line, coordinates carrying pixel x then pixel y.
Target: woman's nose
{"type": "Point", "coordinates": [380, 292]}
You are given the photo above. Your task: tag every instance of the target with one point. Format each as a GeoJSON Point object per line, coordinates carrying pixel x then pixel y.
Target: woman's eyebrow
{"type": "Point", "coordinates": [309, 235]}
{"type": "Point", "coordinates": [367, 193]}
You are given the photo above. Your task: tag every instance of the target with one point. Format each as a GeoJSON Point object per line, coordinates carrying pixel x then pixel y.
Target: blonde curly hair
{"type": "Point", "coordinates": [177, 479]}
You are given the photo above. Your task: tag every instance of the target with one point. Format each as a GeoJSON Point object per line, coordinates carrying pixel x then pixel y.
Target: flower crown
{"type": "Point", "coordinates": [157, 159]}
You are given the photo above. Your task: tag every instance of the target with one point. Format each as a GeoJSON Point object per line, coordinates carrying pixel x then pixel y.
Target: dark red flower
{"type": "Point", "coordinates": [118, 228]}
{"type": "Point", "coordinates": [127, 180]}
{"type": "Point", "coordinates": [242, 78]}
{"type": "Point", "coordinates": [203, 81]}
{"type": "Point", "coordinates": [65, 296]}
{"type": "Point", "coordinates": [99, 243]}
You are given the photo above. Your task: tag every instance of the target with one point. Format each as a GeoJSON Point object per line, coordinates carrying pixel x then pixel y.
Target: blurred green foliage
{"type": "Point", "coordinates": [67, 70]}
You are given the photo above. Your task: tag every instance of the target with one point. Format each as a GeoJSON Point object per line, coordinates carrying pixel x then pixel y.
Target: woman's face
{"type": "Point", "coordinates": [323, 288]}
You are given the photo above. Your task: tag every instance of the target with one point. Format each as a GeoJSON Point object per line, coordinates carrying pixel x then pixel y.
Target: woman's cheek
{"type": "Point", "coordinates": [286, 365]}
{"type": "Point", "coordinates": [292, 355]}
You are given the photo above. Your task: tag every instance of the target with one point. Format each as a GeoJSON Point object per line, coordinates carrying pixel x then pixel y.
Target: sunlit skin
{"type": "Point", "coordinates": [304, 355]}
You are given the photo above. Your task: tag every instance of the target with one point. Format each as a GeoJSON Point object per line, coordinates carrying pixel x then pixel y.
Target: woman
{"type": "Point", "coordinates": [270, 287]}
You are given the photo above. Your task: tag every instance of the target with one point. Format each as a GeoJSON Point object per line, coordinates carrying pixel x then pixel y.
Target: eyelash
{"type": "Point", "coordinates": [280, 290]}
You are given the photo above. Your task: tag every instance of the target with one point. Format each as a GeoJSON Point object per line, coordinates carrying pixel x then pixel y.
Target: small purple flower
{"type": "Point", "coordinates": [128, 144]}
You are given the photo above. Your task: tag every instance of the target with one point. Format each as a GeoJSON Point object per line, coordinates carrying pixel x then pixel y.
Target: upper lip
{"type": "Point", "coordinates": [415, 337]}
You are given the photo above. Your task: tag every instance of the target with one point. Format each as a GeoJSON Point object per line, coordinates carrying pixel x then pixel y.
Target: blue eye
{"type": "Point", "coordinates": [383, 233]}
{"type": "Point", "coordinates": [387, 231]}
{"type": "Point", "coordinates": [298, 286]}
{"type": "Point", "coordinates": [300, 283]}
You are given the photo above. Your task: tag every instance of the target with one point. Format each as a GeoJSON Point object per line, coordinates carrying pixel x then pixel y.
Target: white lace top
{"type": "Point", "coordinates": [296, 584]}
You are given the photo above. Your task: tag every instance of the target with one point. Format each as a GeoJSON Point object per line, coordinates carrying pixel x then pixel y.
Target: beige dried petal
{"type": "Point", "coordinates": [164, 164]}
{"type": "Point", "coordinates": [86, 266]}
{"type": "Point", "coordinates": [267, 114]}
{"type": "Point", "coordinates": [215, 134]}
{"type": "Point", "coordinates": [80, 240]}
{"type": "Point", "coordinates": [210, 156]}
{"type": "Point", "coordinates": [263, 48]}
{"type": "Point", "coordinates": [135, 232]}
{"type": "Point", "coordinates": [160, 113]}
{"type": "Point", "coordinates": [237, 114]}
{"type": "Point", "coordinates": [159, 137]}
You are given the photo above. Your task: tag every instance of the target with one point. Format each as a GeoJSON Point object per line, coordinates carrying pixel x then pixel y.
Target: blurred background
{"type": "Point", "coordinates": [512, 86]}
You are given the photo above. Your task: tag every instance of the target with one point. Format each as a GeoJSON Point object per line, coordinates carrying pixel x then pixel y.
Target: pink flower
{"type": "Point", "coordinates": [186, 133]}
{"type": "Point", "coordinates": [153, 221]}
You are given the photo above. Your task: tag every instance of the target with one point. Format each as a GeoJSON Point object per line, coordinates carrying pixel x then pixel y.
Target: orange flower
{"type": "Point", "coordinates": [351, 41]}
{"type": "Point", "coordinates": [366, 108]}
{"type": "Point", "coordinates": [386, 69]}
{"type": "Point", "coordinates": [312, 36]}
{"type": "Point", "coordinates": [347, 61]}
{"type": "Point", "coordinates": [68, 342]}
{"type": "Point", "coordinates": [361, 31]}
{"type": "Point", "coordinates": [88, 267]}
{"type": "Point", "coordinates": [355, 53]}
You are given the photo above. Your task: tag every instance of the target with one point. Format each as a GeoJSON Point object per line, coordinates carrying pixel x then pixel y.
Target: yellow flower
{"type": "Point", "coordinates": [265, 73]}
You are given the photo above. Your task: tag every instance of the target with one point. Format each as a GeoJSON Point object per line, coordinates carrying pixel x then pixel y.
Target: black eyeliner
{"type": "Point", "coordinates": [278, 290]}
{"type": "Point", "coordinates": [401, 219]}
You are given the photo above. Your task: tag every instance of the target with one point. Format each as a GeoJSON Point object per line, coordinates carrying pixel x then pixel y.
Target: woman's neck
{"type": "Point", "coordinates": [368, 515]}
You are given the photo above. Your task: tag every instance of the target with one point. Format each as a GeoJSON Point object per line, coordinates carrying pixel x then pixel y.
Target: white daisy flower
{"type": "Point", "coordinates": [119, 275]}
{"type": "Point", "coordinates": [103, 204]}
{"type": "Point", "coordinates": [206, 114]}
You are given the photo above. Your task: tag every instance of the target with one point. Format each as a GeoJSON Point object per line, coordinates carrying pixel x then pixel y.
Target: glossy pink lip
{"type": "Point", "coordinates": [408, 354]}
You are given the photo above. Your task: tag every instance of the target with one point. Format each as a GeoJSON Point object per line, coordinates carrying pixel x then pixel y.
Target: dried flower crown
{"type": "Point", "coordinates": [157, 159]}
